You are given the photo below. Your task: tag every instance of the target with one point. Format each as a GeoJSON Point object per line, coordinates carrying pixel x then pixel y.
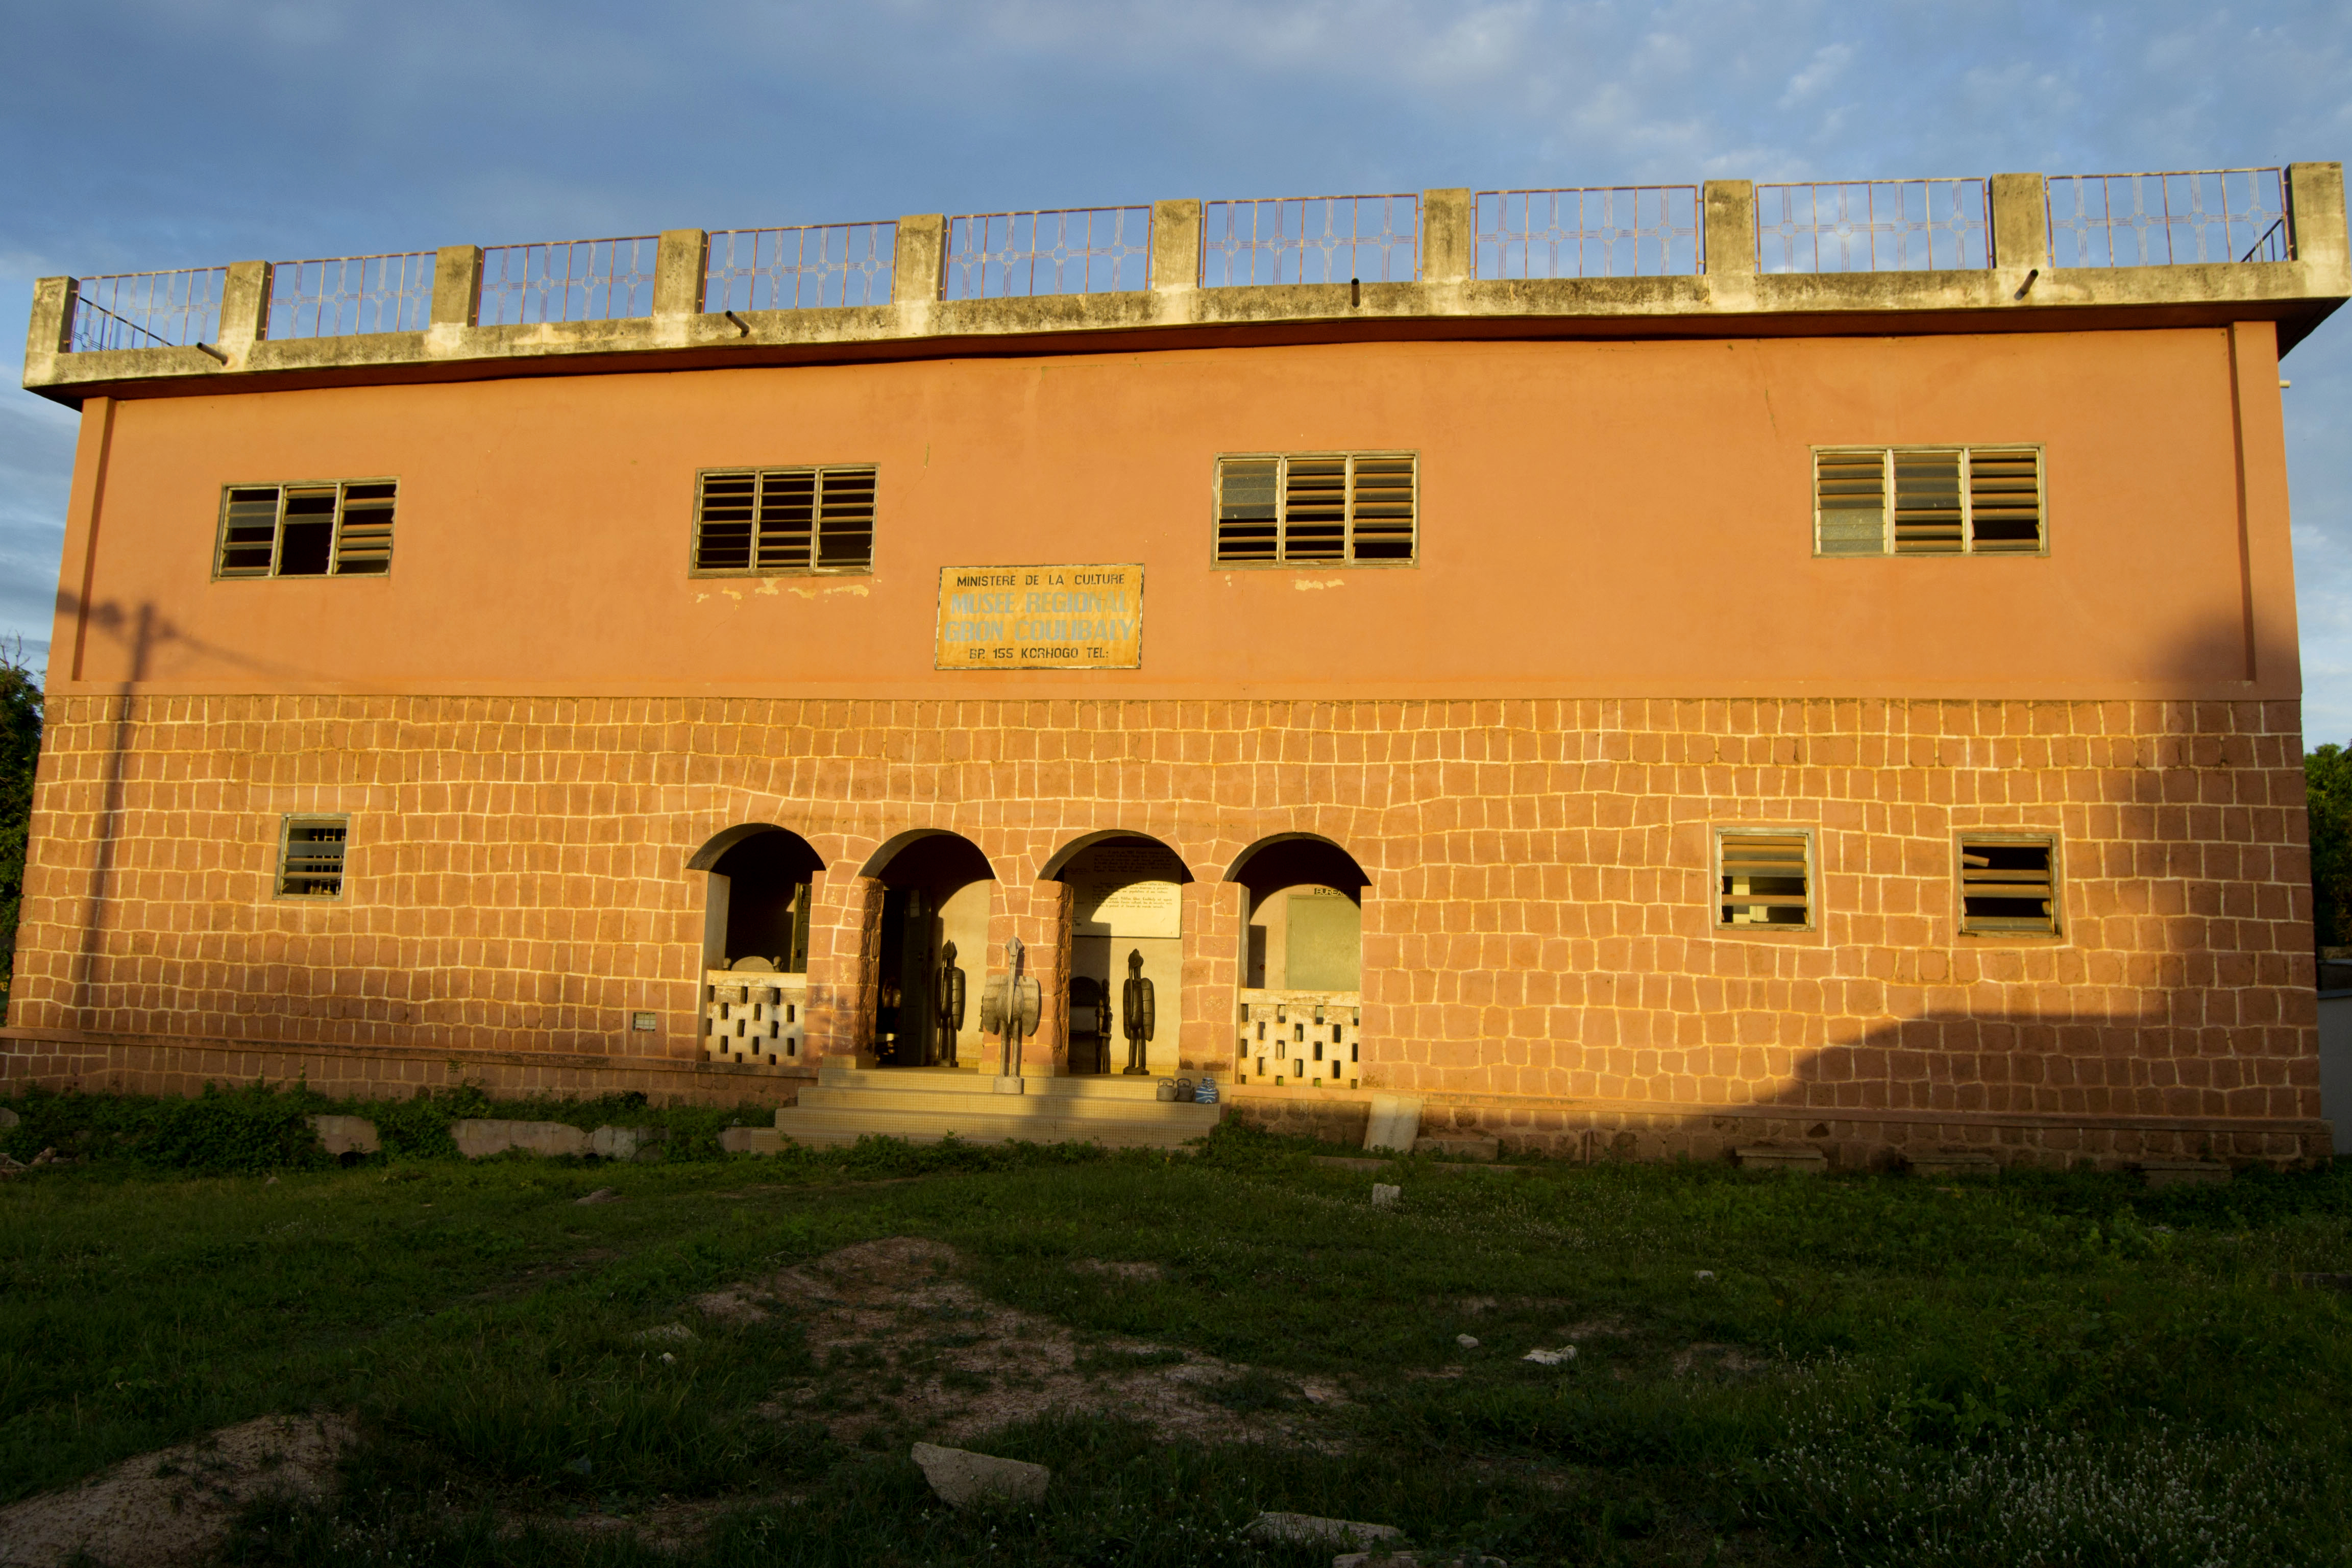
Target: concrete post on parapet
{"type": "Point", "coordinates": [2315, 203]}
{"type": "Point", "coordinates": [1175, 259]}
{"type": "Point", "coordinates": [681, 266]}
{"type": "Point", "coordinates": [51, 334]}
{"type": "Point", "coordinates": [1728, 211]}
{"type": "Point", "coordinates": [1445, 237]}
{"type": "Point", "coordinates": [2020, 232]}
{"type": "Point", "coordinates": [456, 287]}
{"type": "Point", "coordinates": [243, 311]}
{"type": "Point", "coordinates": [918, 269]}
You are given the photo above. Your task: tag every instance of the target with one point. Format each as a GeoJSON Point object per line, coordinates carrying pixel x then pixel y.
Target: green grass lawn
{"type": "Point", "coordinates": [1770, 1369]}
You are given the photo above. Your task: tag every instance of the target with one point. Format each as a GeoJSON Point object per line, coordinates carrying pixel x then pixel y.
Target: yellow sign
{"type": "Point", "coordinates": [1041, 618]}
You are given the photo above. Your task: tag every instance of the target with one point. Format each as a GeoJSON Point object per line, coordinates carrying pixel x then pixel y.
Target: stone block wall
{"type": "Point", "coordinates": [1540, 958]}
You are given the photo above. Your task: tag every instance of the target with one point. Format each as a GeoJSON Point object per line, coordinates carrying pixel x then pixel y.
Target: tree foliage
{"type": "Point", "coordinates": [2328, 783]}
{"type": "Point", "coordinates": [20, 750]}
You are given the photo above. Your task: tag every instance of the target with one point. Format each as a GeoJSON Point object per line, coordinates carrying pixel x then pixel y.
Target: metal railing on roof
{"type": "Point", "coordinates": [1595, 231]}
{"type": "Point", "coordinates": [342, 295]}
{"type": "Point", "coordinates": [2163, 220]}
{"type": "Point", "coordinates": [568, 280]}
{"type": "Point", "coordinates": [1311, 239]}
{"type": "Point", "coordinates": [1874, 225]}
{"type": "Point", "coordinates": [1069, 250]}
{"type": "Point", "coordinates": [2093, 220]}
{"type": "Point", "coordinates": [814, 266]}
{"type": "Point", "coordinates": [147, 309]}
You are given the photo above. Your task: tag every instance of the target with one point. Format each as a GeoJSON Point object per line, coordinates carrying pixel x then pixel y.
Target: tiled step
{"type": "Point", "coordinates": [980, 1100]}
{"type": "Point", "coordinates": [1082, 1086]}
{"type": "Point", "coordinates": [1045, 1125]}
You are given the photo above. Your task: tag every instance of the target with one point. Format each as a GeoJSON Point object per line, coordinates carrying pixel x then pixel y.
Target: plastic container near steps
{"type": "Point", "coordinates": [1207, 1093]}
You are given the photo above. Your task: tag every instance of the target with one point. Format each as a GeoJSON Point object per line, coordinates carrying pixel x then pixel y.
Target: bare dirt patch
{"type": "Point", "coordinates": [901, 1339]}
{"type": "Point", "coordinates": [174, 1506]}
{"type": "Point", "coordinates": [1151, 1273]}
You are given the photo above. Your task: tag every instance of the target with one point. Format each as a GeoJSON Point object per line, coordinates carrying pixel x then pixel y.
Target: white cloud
{"type": "Point", "coordinates": [1829, 63]}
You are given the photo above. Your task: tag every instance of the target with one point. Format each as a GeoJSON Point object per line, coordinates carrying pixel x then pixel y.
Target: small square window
{"type": "Point", "coordinates": [1764, 878]}
{"type": "Point", "coordinates": [2009, 886]}
{"type": "Point", "coordinates": [310, 857]}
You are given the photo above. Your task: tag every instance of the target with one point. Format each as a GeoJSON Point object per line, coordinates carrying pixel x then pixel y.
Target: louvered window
{"type": "Point", "coordinates": [2008, 886]}
{"type": "Point", "coordinates": [332, 527]}
{"type": "Point", "coordinates": [1765, 877]}
{"type": "Point", "coordinates": [1316, 509]}
{"type": "Point", "coordinates": [1946, 501]}
{"type": "Point", "coordinates": [311, 857]}
{"type": "Point", "coordinates": [783, 520]}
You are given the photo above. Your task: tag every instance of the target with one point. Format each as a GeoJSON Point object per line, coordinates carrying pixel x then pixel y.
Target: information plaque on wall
{"type": "Point", "coordinates": [1041, 618]}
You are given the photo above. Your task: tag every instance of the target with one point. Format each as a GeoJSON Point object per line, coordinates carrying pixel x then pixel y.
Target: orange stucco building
{"type": "Point", "coordinates": [1747, 704]}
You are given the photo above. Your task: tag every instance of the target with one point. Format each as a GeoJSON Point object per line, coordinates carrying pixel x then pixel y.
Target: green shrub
{"type": "Point", "coordinates": [240, 1131]}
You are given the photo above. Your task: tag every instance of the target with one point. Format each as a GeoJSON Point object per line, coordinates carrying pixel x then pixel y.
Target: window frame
{"type": "Point", "coordinates": [341, 487]}
{"type": "Point", "coordinates": [282, 871]}
{"type": "Point", "coordinates": [1282, 560]}
{"type": "Point", "coordinates": [2049, 839]}
{"type": "Point", "coordinates": [1887, 453]}
{"type": "Point", "coordinates": [1716, 897]}
{"type": "Point", "coordinates": [759, 474]}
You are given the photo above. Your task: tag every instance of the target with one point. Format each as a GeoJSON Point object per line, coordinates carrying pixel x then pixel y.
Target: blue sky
{"type": "Point", "coordinates": [173, 134]}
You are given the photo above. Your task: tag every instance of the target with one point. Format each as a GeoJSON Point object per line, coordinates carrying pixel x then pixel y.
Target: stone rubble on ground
{"type": "Point", "coordinates": [1385, 1196]}
{"type": "Point", "coordinates": [479, 1137]}
{"type": "Point", "coordinates": [962, 1477]}
{"type": "Point", "coordinates": [10, 1166]}
{"type": "Point", "coordinates": [677, 1334]}
{"type": "Point", "coordinates": [1704, 1276]}
{"type": "Point", "coordinates": [1551, 1358]}
{"type": "Point", "coordinates": [340, 1135]}
{"type": "Point", "coordinates": [1393, 1124]}
{"type": "Point", "coordinates": [1467, 1341]}
{"type": "Point", "coordinates": [601, 1195]}
{"type": "Point", "coordinates": [1312, 1530]}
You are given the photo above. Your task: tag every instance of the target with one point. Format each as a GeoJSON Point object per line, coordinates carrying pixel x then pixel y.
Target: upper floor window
{"type": "Point", "coordinates": [783, 520]}
{"type": "Point", "coordinates": [1317, 508]}
{"type": "Point", "coordinates": [1928, 501]}
{"type": "Point", "coordinates": [332, 527]}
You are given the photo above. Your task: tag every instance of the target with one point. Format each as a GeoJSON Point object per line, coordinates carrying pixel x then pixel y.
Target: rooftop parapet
{"type": "Point", "coordinates": [2008, 252]}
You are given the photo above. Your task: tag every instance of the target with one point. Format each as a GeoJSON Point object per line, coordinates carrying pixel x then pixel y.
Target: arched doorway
{"type": "Point", "coordinates": [755, 943]}
{"type": "Point", "coordinates": [934, 929]}
{"type": "Point", "coordinates": [1300, 1007]}
{"type": "Point", "coordinates": [1127, 922]}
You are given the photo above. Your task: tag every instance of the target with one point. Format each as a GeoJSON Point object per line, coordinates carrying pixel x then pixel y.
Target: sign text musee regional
{"type": "Point", "coordinates": [1041, 618]}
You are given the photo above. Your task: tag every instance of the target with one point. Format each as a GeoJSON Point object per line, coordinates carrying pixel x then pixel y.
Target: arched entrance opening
{"type": "Point", "coordinates": [1126, 951]}
{"type": "Point", "coordinates": [1300, 1007]}
{"type": "Point", "coordinates": [933, 956]}
{"type": "Point", "coordinates": [755, 943]}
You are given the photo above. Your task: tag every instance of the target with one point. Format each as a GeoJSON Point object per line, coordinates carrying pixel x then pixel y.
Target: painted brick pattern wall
{"type": "Point", "coordinates": [1538, 932]}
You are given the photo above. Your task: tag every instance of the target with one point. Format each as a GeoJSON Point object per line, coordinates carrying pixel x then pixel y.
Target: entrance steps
{"type": "Point", "coordinates": [923, 1105]}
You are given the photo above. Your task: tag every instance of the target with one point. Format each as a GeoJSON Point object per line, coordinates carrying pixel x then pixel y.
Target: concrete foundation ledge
{"type": "Point", "coordinates": [2181, 1172]}
{"type": "Point", "coordinates": [1758, 1158]}
{"type": "Point", "coordinates": [1968, 1163]}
